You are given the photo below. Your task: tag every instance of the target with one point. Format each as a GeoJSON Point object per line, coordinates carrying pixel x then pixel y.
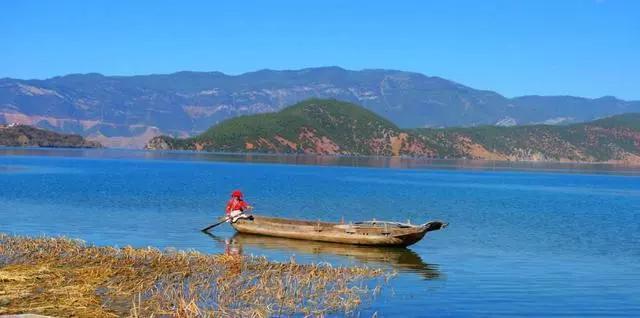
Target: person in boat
{"type": "Point", "coordinates": [236, 207]}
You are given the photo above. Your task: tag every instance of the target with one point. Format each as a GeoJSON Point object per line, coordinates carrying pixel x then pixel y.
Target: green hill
{"type": "Point", "coordinates": [334, 127]}
{"type": "Point", "coordinates": [614, 138]}
{"type": "Point", "coordinates": [312, 126]}
{"type": "Point", "coordinates": [27, 136]}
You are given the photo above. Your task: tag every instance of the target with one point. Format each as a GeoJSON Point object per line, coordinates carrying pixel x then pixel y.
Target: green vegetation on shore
{"type": "Point", "coordinates": [315, 125]}
{"type": "Point", "coordinates": [333, 127]}
{"type": "Point", "coordinates": [612, 138]}
{"type": "Point", "coordinates": [63, 277]}
{"type": "Point", "coordinates": [341, 122]}
{"type": "Point", "coordinates": [27, 136]}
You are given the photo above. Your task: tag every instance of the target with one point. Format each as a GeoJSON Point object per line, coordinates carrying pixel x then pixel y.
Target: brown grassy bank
{"type": "Point", "coordinates": [65, 277]}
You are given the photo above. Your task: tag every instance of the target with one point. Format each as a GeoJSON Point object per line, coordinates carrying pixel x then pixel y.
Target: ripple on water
{"type": "Point", "coordinates": [519, 243]}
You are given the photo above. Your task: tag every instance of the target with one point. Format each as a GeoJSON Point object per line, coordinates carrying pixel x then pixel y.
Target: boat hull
{"type": "Point", "coordinates": [336, 233]}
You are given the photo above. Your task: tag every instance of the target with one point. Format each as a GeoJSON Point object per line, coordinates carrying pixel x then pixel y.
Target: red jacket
{"type": "Point", "coordinates": [236, 204]}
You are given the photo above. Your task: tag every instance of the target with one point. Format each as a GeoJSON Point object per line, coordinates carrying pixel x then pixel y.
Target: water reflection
{"type": "Point", "coordinates": [301, 159]}
{"type": "Point", "coordinates": [12, 169]}
{"type": "Point", "coordinates": [400, 259]}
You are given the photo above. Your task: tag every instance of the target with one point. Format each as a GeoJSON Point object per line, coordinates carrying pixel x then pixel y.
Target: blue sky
{"type": "Point", "coordinates": [569, 47]}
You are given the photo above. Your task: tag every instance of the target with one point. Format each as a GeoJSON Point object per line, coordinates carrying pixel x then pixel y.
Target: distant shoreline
{"type": "Point", "coordinates": [610, 162]}
{"type": "Point", "coordinates": [275, 154]}
{"type": "Point", "coordinates": [385, 162]}
{"type": "Point", "coordinates": [19, 135]}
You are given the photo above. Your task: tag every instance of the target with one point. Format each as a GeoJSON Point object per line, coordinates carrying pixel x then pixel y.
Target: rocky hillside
{"type": "Point", "coordinates": [27, 136]}
{"type": "Point", "coordinates": [615, 139]}
{"type": "Point", "coordinates": [126, 111]}
{"type": "Point", "coordinates": [313, 126]}
{"type": "Point", "coordinates": [334, 127]}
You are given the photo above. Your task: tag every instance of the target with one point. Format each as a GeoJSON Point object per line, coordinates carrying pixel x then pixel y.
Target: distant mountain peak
{"type": "Point", "coordinates": [80, 75]}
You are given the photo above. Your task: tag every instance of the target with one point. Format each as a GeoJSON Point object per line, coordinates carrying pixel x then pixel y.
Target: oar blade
{"type": "Point", "coordinates": [214, 225]}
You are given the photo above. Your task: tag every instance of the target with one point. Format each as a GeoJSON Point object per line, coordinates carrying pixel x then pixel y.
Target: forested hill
{"type": "Point", "coordinates": [338, 128]}
{"type": "Point", "coordinates": [27, 136]}
{"type": "Point", "coordinates": [615, 138]}
{"type": "Point", "coordinates": [312, 126]}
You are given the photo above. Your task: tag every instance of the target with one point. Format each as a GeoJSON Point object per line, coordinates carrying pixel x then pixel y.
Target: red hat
{"type": "Point", "coordinates": [236, 193]}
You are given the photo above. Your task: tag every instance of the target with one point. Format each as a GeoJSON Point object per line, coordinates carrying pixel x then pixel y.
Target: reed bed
{"type": "Point", "coordinates": [65, 277]}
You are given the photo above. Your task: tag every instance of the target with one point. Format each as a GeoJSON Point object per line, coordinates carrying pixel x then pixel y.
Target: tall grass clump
{"type": "Point", "coordinates": [66, 277]}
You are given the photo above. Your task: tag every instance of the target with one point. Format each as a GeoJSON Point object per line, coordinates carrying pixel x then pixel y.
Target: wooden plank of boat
{"type": "Point", "coordinates": [378, 233]}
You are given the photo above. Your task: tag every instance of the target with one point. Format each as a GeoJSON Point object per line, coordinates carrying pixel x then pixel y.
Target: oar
{"type": "Point", "coordinates": [214, 225]}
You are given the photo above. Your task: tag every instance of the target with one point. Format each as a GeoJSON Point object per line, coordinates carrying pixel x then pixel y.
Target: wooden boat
{"type": "Point", "coordinates": [376, 233]}
{"type": "Point", "coordinates": [400, 259]}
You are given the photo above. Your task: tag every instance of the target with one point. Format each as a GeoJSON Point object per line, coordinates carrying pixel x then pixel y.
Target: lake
{"type": "Point", "coordinates": [525, 239]}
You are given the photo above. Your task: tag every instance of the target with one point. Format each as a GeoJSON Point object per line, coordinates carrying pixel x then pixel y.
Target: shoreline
{"type": "Point", "coordinates": [336, 156]}
{"type": "Point", "coordinates": [88, 280]}
{"type": "Point", "coordinates": [373, 162]}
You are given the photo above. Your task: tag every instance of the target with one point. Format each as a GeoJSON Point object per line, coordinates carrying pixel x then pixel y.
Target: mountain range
{"type": "Point", "coordinates": [333, 127]}
{"type": "Point", "coordinates": [127, 111]}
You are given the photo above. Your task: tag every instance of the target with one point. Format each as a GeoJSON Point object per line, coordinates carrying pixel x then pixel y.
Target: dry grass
{"type": "Point", "coordinates": [64, 277]}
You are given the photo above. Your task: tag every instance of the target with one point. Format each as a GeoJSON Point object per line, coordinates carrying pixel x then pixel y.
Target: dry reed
{"type": "Point", "coordinates": [64, 277]}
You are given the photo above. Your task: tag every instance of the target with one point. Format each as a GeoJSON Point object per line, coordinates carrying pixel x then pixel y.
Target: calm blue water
{"type": "Point", "coordinates": [520, 242]}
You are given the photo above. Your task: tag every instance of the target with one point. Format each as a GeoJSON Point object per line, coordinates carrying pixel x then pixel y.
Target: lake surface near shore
{"type": "Point", "coordinates": [524, 238]}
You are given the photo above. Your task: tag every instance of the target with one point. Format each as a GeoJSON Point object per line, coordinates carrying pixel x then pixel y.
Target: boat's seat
{"type": "Point", "coordinates": [383, 223]}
